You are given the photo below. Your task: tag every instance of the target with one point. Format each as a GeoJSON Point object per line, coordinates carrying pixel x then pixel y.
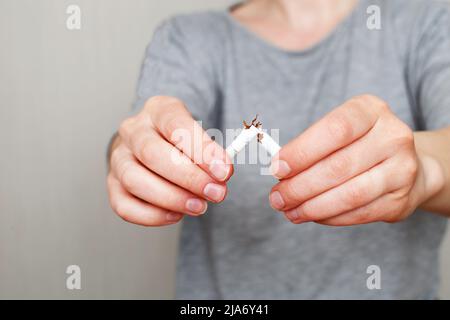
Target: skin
{"type": "Point", "coordinates": [156, 178]}
{"type": "Point", "coordinates": [369, 166]}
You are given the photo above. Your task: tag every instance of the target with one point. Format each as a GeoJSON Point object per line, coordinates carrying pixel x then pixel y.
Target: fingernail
{"type": "Point", "coordinates": [293, 214]}
{"type": "Point", "coordinates": [173, 216]}
{"type": "Point", "coordinates": [280, 168]}
{"type": "Point", "coordinates": [276, 200]}
{"type": "Point", "coordinates": [219, 169]}
{"type": "Point", "coordinates": [214, 192]}
{"type": "Point", "coordinates": [196, 206]}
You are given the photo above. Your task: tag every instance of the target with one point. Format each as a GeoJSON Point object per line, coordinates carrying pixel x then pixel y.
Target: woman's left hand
{"type": "Point", "coordinates": [356, 165]}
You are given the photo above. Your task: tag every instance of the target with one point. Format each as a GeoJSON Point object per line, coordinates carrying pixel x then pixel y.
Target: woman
{"type": "Point", "coordinates": [360, 93]}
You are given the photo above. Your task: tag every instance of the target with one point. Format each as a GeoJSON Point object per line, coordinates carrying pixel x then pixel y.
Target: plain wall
{"type": "Point", "coordinates": [63, 94]}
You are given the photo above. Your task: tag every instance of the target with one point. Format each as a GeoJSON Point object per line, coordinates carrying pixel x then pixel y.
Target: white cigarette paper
{"type": "Point", "coordinates": [241, 141]}
{"type": "Point", "coordinates": [248, 135]}
{"type": "Point", "coordinates": [267, 142]}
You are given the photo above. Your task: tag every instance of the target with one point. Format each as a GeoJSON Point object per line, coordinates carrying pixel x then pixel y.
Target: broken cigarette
{"type": "Point", "coordinates": [267, 142]}
{"type": "Point", "coordinates": [249, 132]}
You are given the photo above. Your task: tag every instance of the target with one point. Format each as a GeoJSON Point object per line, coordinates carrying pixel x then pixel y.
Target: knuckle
{"type": "Point", "coordinates": [161, 100]}
{"type": "Point", "coordinates": [177, 200]}
{"type": "Point", "coordinates": [396, 212]}
{"type": "Point", "coordinates": [363, 216]}
{"type": "Point", "coordinates": [307, 212]}
{"type": "Point", "coordinates": [178, 130]}
{"type": "Point", "coordinates": [161, 107]}
{"type": "Point", "coordinates": [402, 132]}
{"type": "Point", "coordinates": [173, 102]}
{"type": "Point", "coordinates": [295, 221]}
{"type": "Point", "coordinates": [389, 218]}
{"type": "Point", "coordinates": [409, 136]}
{"type": "Point", "coordinates": [399, 134]}
{"type": "Point", "coordinates": [124, 215]}
{"type": "Point", "coordinates": [406, 171]}
{"type": "Point", "coordinates": [402, 206]}
{"type": "Point", "coordinates": [392, 218]}
{"type": "Point", "coordinates": [152, 219]}
{"type": "Point", "coordinates": [151, 102]}
{"type": "Point", "coordinates": [355, 196]}
{"type": "Point", "coordinates": [154, 102]}
{"type": "Point", "coordinates": [339, 128]}
{"type": "Point", "coordinates": [372, 100]}
{"type": "Point", "coordinates": [380, 104]}
{"type": "Point", "coordinates": [147, 153]}
{"type": "Point", "coordinates": [171, 124]}
{"type": "Point", "coordinates": [410, 168]}
{"type": "Point", "coordinates": [339, 167]}
{"type": "Point", "coordinates": [192, 180]}
{"type": "Point", "coordinates": [118, 207]}
{"type": "Point", "coordinates": [119, 161]}
{"type": "Point", "coordinates": [126, 127]}
{"type": "Point", "coordinates": [116, 155]}
{"type": "Point", "coordinates": [358, 102]}
{"type": "Point", "coordinates": [290, 192]}
{"type": "Point", "coordinates": [402, 145]}
{"type": "Point", "coordinates": [128, 176]}
{"type": "Point", "coordinates": [401, 193]}
{"type": "Point", "coordinates": [300, 155]}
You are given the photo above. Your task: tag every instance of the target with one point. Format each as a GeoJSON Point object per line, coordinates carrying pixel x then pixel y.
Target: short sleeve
{"type": "Point", "coordinates": [431, 68]}
{"type": "Point", "coordinates": [177, 64]}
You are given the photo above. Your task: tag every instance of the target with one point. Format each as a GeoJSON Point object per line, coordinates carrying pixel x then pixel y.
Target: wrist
{"type": "Point", "coordinates": [431, 176]}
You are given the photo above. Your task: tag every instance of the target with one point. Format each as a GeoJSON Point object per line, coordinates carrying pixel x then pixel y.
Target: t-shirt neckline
{"type": "Point", "coordinates": [309, 50]}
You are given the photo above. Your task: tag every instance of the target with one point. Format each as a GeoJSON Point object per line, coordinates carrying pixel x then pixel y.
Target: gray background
{"type": "Point", "coordinates": [62, 95]}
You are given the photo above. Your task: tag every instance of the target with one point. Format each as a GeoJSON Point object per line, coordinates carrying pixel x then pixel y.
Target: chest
{"type": "Point", "coordinates": [290, 92]}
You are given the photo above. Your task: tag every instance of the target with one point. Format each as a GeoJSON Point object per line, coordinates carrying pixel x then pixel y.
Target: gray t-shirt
{"type": "Point", "coordinates": [242, 248]}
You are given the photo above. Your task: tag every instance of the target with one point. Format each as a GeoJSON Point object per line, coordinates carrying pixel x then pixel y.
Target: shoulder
{"type": "Point", "coordinates": [199, 20]}
{"type": "Point", "coordinates": [417, 14]}
{"type": "Point", "coordinates": [191, 41]}
{"type": "Point", "coordinates": [411, 24]}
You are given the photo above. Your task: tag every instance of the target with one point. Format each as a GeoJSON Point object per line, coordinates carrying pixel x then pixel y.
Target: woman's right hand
{"type": "Point", "coordinates": [163, 165]}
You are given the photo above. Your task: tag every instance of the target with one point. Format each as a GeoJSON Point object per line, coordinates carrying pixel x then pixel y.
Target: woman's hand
{"type": "Point", "coordinates": [163, 165]}
{"type": "Point", "coordinates": [356, 165]}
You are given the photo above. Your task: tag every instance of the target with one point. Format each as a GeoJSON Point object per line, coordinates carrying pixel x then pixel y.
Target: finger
{"type": "Point", "coordinates": [136, 211]}
{"type": "Point", "coordinates": [337, 129]}
{"type": "Point", "coordinates": [332, 171]}
{"type": "Point", "coordinates": [175, 123]}
{"type": "Point", "coordinates": [383, 209]}
{"type": "Point", "coordinates": [168, 162]}
{"type": "Point", "coordinates": [153, 189]}
{"type": "Point", "coordinates": [353, 194]}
